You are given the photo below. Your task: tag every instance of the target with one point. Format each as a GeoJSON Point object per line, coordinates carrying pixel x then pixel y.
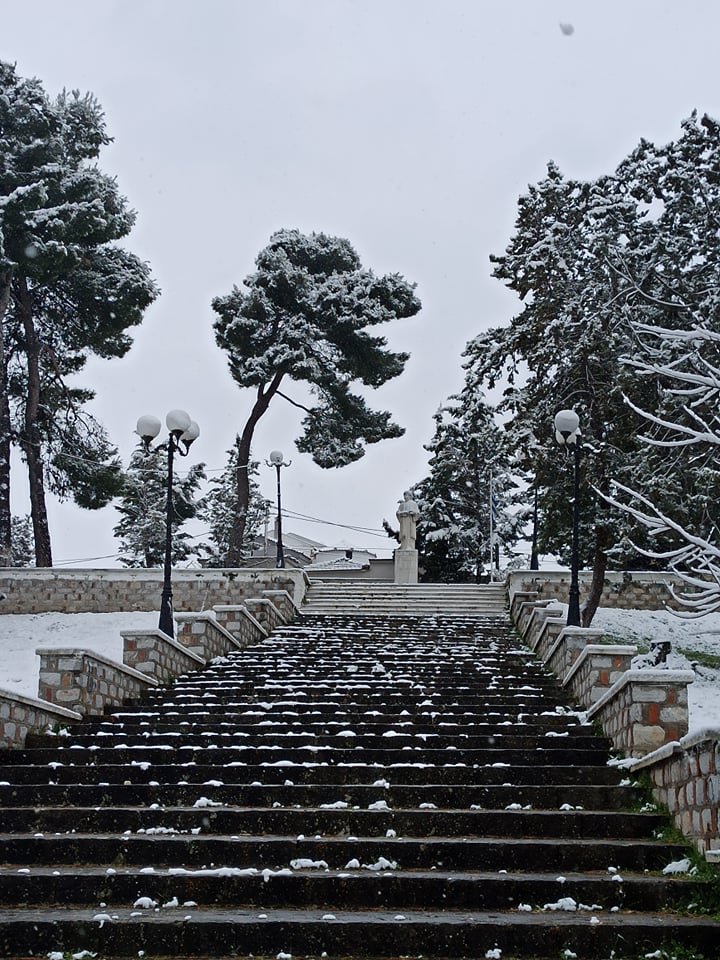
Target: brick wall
{"type": "Point", "coordinates": [20, 716]}
{"type": "Point", "coordinates": [86, 682]}
{"type": "Point", "coordinates": [154, 654]}
{"type": "Point", "coordinates": [104, 591]}
{"type": "Point", "coordinates": [686, 779]}
{"type": "Point", "coordinates": [628, 590]}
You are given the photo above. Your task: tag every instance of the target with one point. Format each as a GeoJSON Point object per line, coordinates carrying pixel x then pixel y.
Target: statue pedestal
{"type": "Point", "coordinates": [406, 566]}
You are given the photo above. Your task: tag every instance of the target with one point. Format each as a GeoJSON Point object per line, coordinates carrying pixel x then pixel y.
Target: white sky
{"type": "Point", "coordinates": [408, 126]}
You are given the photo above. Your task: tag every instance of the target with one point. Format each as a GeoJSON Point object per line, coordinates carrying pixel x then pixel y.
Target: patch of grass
{"type": "Point", "coordinates": [705, 659]}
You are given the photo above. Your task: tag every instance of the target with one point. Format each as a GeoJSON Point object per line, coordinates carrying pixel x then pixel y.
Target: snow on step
{"type": "Point", "coordinates": [352, 785]}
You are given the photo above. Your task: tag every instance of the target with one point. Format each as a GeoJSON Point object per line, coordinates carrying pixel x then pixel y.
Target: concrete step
{"type": "Point", "coordinates": [293, 886]}
{"type": "Point", "coordinates": [262, 820]}
{"type": "Point", "coordinates": [442, 796]}
{"type": "Point", "coordinates": [277, 773]}
{"type": "Point", "coordinates": [240, 800]}
{"type": "Point", "coordinates": [464, 933]}
{"type": "Point", "coordinates": [164, 847]}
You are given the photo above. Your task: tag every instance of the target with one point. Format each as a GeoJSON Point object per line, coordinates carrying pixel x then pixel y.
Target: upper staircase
{"type": "Point", "coordinates": [356, 786]}
{"type": "Point", "coordinates": [340, 598]}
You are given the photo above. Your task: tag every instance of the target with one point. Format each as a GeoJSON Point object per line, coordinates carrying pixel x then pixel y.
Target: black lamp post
{"type": "Point", "coordinates": [277, 460]}
{"type": "Point", "coordinates": [567, 434]}
{"type": "Point", "coordinates": [182, 432]}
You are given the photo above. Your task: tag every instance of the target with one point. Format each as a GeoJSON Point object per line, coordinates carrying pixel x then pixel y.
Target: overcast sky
{"type": "Point", "coordinates": [408, 126]}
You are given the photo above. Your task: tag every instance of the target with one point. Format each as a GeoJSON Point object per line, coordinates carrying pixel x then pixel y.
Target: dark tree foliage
{"type": "Point", "coordinates": [66, 292]}
{"type": "Point", "coordinates": [592, 262]}
{"type": "Point", "coordinates": [468, 460]}
{"type": "Point", "coordinates": [303, 317]}
{"type": "Point", "coordinates": [143, 509]}
{"type": "Point", "coordinates": [219, 508]}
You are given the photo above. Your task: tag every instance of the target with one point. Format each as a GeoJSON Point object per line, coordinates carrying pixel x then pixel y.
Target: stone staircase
{"type": "Point", "coordinates": [350, 597]}
{"type": "Point", "coordinates": [349, 787]}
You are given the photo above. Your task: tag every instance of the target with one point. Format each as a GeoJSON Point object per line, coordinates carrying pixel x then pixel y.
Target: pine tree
{"type": "Point", "coordinates": [66, 291]}
{"type": "Point", "coordinates": [143, 509]}
{"type": "Point", "coordinates": [220, 506]}
{"type": "Point", "coordinates": [468, 467]}
{"type": "Point", "coordinates": [303, 317]}
{"type": "Point", "coordinates": [22, 542]}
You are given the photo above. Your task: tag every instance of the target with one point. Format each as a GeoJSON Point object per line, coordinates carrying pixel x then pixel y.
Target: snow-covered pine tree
{"type": "Point", "coordinates": [303, 317]}
{"type": "Point", "coordinates": [66, 290]}
{"type": "Point", "coordinates": [22, 542]}
{"type": "Point", "coordinates": [219, 509]}
{"type": "Point", "coordinates": [142, 509]}
{"type": "Point", "coordinates": [564, 349]}
{"type": "Point", "coordinates": [468, 456]}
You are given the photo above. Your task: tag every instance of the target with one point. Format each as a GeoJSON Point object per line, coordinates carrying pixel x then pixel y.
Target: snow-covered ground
{"type": "Point", "coordinates": [22, 634]}
{"type": "Point", "coordinates": [692, 642]}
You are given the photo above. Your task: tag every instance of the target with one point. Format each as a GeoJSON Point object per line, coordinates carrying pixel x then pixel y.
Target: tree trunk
{"type": "Point", "coordinates": [599, 569]}
{"type": "Point", "coordinates": [5, 511]}
{"type": "Point", "coordinates": [233, 557]}
{"type": "Point", "coordinates": [31, 444]}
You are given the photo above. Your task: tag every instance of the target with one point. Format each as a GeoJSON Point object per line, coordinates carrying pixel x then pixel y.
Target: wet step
{"type": "Point", "coordinates": [143, 771]}
{"type": "Point", "coordinates": [396, 796]}
{"type": "Point", "coordinates": [357, 787]}
{"type": "Point", "coordinates": [338, 820]}
{"type": "Point", "coordinates": [377, 884]}
{"type": "Point", "coordinates": [157, 848]}
{"type": "Point", "coordinates": [349, 932]}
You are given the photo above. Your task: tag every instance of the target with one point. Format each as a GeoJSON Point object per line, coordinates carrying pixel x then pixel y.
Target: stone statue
{"type": "Point", "coordinates": [407, 514]}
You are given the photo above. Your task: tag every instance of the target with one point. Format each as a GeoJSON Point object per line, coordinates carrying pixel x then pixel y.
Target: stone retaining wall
{"type": "Point", "coordinates": [644, 712]}
{"type": "Point", "coordinates": [87, 682]}
{"type": "Point", "coordinates": [29, 590]}
{"type": "Point", "coordinates": [154, 654]}
{"type": "Point", "coordinates": [686, 779]}
{"type": "Point", "coordinates": [240, 623]}
{"type": "Point", "coordinates": [21, 715]}
{"type": "Point", "coordinates": [202, 635]}
{"type": "Point", "coordinates": [598, 667]}
{"type": "Point", "coordinates": [629, 590]}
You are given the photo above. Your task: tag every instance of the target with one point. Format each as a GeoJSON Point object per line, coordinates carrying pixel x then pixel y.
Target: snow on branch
{"type": "Point", "coordinates": [695, 561]}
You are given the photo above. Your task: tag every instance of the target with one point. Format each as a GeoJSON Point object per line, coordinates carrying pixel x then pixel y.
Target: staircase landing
{"type": "Point", "coordinates": [370, 598]}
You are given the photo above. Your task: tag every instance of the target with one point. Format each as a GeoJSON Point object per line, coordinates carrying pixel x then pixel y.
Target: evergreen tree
{"type": "Point", "coordinates": [143, 509]}
{"type": "Point", "coordinates": [468, 467]}
{"type": "Point", "coordinates": [597, 264]}
{"type": "Point", "coordinates": [22, 542]}
{"type": "Point", "coordinates": [303, 317]}
{"type": "Point", "coordinates": [66, 291]}
{"type": "Point", "coordinates": [220, 506]}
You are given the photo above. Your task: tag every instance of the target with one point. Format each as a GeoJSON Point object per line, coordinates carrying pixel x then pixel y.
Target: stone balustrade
{"type": "Point", "coordinates": [154, 654]}
{"type": "Point", "coordinates": [569, 644]}
{"type": "Point", "coordinates": [282, 600]}
{"type": "Point", "coordinates": [21, 715]}
{"type": "Point", "coordinates": [543, 639]}
{"type": "Point", "coordinates": [644, 709]}
{"type": "Point", "coordinates": [596, 669]}
{"type": "Point", "coordinates": [686, 778]}
{"type": "Point", "coordinates": [203, 635]}
{"type": "Point", "coordinates": [526, 612]}
{"type": "Point", "coordinates": [518, 597]}
{"type": "Point", "coordinates": [265, 612]}
{"type": "Point", "coordinates": [87, 682]}
{"type": "Point", "coordinates": [240, 623]}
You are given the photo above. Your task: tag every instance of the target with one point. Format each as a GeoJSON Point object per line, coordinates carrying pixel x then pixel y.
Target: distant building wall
{"type": "Point", "coordinates": [29, 590]}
